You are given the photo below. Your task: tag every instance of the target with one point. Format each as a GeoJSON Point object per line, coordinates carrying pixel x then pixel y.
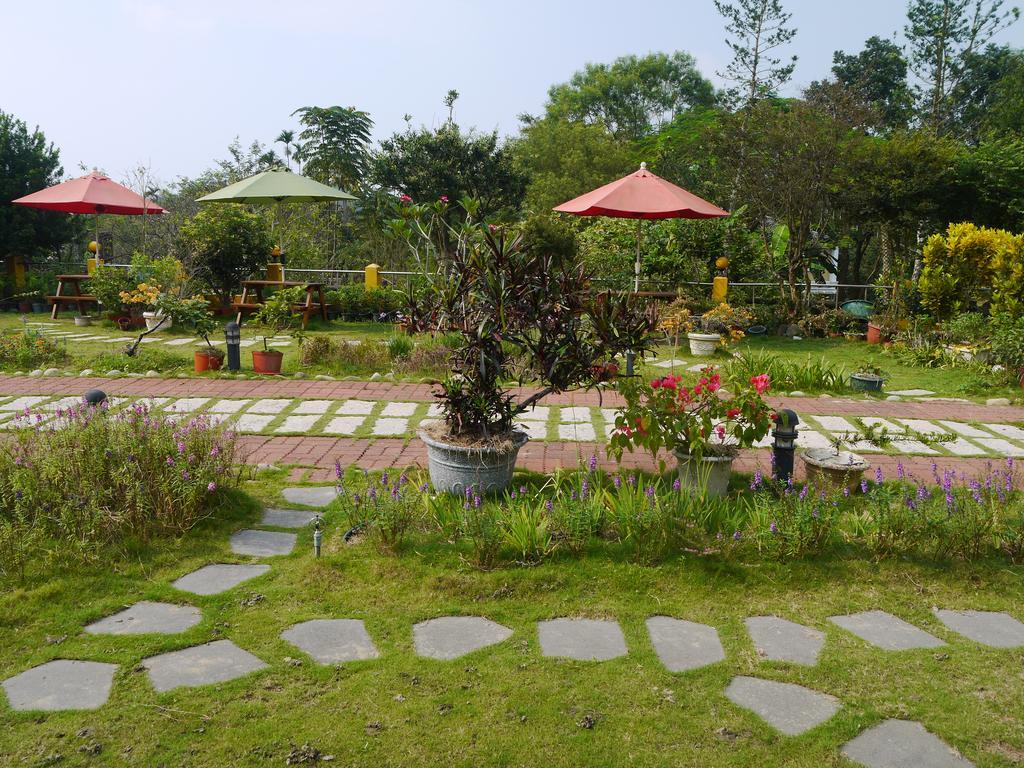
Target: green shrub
{"type": "Point", "coordinates": [30, 349]}
{"type": "Point", "coordinates": [226, 244]}
{"type": "Point", "coordinates": [967, 328]}
{"type": "Point", "coordinates": [145, 359]}
{"type": "Point", "coordinates": [400, 347]}
{"type": "Point", "coordinates": [812, 375]}
{"type": "Point", "coordinates": [1008, 341]}
{"type": "Point", "coordinates": [354, 302]}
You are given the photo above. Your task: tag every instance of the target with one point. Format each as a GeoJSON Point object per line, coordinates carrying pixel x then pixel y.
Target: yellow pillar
{"type": "Point", "coordinates": [19, 272]}
{"type": "Point", "coordinates": [372, 276]}
{"type": "Point", "coordinates": [720, 285]}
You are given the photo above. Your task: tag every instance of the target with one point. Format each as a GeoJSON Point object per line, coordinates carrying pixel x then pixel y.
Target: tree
{"type": "Point", "coordinates": [30, 163]}
{"type": "Point", "coordinates": [225, 244]}
{"type": "Point", "coordinates": [878, 77]}
{"type": "Point", "coordinates": [634, 95]}
{"type": "Point", "coordinates": [982, 86]}
{"type": "Point", "coordinates": [942, 35]}
{"type": "Point", "coordinates": [335, 143]}
{"type": "Point", "coordinates": [757, 27]}
{"type": "Point", "coordinates": [1006, 107]}
{"type": "Point", "coordinates": [287, 138]}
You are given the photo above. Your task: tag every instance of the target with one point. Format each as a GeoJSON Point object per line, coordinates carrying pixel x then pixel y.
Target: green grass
{"type": "Point", "coordinates": [504, 706]}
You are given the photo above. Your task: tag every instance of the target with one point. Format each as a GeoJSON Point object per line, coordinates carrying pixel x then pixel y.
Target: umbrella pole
{"type": "Point", "coordinates": [636, 266]}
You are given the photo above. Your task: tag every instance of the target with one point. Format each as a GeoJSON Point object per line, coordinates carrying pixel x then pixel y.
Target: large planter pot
{"type": "Point", "coordinates": [204, 360]}
{"type": "Point", "coordinates": [866, 382]}
{"type": "Point", "coordinates": [153, 319]}
{"type": "Point", "coordinates": [454, 468]}
{"type": "Point", "coordinates": [268, 363]}
{"type": "Point", "coordinates": [708, 473]}
{"type": "Point", "coordinates": [830, 470]}
{"type": "Point", "coordinates": [38, 307]}
{"type": "Point", "coordinates": [83, 320]}
{"type": "Point", "coordinates": [24, 307]}
{"type": "Point", "coordinates": [703, 344]}
{"type": "Point", "coordinates": [875, 335]}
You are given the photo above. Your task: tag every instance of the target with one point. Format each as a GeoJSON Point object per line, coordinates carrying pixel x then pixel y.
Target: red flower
{"type": "Point", "coordinates": [405, 199]}
{"type": "Point", "coordinates": [761, 383]}
{"type": "Point", "coordinates": [656, 384]}
{"type": "Point", "coordinates": [443, 198]}
{"type": "Point", "coordinates": [732, 413]}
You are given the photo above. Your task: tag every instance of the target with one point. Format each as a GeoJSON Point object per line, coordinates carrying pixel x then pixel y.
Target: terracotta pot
{"type": "Point", "coordinates": [203, 360]}
{"type": "Point", "coordinates": [875, 334]}
{"type": "Point", "coordinates": [24, 307]}
{"type": "Point", "coordinates": [268, 363]}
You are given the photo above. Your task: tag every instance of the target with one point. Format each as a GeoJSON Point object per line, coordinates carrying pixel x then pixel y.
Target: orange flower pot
{"type": "Point", "coordinates": [268, 363]}
{"type": "Point", "coordinates": [204, 361]}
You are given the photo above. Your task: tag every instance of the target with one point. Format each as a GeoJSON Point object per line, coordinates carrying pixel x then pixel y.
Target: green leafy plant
{"type": "Point", "coordinates": [810, 375]}
{"type": "Point", "coordinates": [225, 245]}
{"type": "Point", "coordinates": [29, 349]}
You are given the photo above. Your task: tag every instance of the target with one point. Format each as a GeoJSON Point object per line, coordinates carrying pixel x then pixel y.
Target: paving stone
{"type": "Point", "coordinates": [582, 639]}
{"type": "Point", "coordinates": [781, 640]}
{"type": "Point", "coordinates": [964, 429]}
{"type": "Point", "coordinates": [252, 422]}
{"type": "Point", "coordinates": [435, 411]}
{"type": "Point", "coordinates": [962, 447]}
{"type": "Point", "coordinates": [390, 426]}
{"type": "Point", "coordinates": [356, 408]}
{"type": "Point", "coordinates": [21, 403]}
{"type": "Point", "coordinates": [537, 430]}
{"type": "Point", "coordinates": [609, 415]}
{"type": "Point", "coordinates": [288, 518]}
{"type": "Point", "coordinates": [808, 438]}
{"type": "Point", "coordinates": [1000, 446]}
{"type": "Point", "coordinates": [999, 630]}
{"type": "Point", "coordinates": [449, 637]}
{"type": "Point", "coordinates": [790, 709]}
{"type": "Point", "coordinates": [63, 403]}
{"type": "Point", "coordinates": [228, 406]}
{"type": "Point", "coordinates": [863, 446]}
{"type": "Point", "coordinates": [399, 409]}
{"type": "Point", "coordinates": [262, 543]}
{"type": "Point", "coordinates": [179, 342]}
{"type": "Point", "coordinates": [834, 424]}
{"type": "Point", "coordinates": [61, 684]}
{"type": "Point", "coordinates": [536, 413]}
{"type": "Point", "coordinates": [269, 406]}
{"type": "Point", "coordinates": [684, 645]}
{"type": "Point", "coordinates": [577, 432]}
{"type": "Point", "coordinates": [886, 631]}
{"type": "Point", "coordinates": [206, 664]}
{"type": "Point", "coordinates": [332, 641]}
{"type": "Point", "coordinates": [247, 342]}
{"type": "Point", "coordinates": [1006, 430]}
{"type": "Point", "coordinates": [217, 578]}
{"type": "Point", "coordinates": [576, 413]}
{"type": "Point", "coordinates": [312, 496]}
{"type": "Point", "coordinates": [313, 406]}
{"type": "Point", "coordinates": [923, 426]}
{"type": "Point", "coordinates": [344, 425]}
{"type": "Point", "coordinates": [698, 367]}
{"type": "Point", "coordinates": [298, 424]}
{"type": "Point", "coordinates": [912, 392]}
{"type": "Point", "coordinates": [152, 402]}
{"type": "Point", "coordinates": [147, 617]}
{"type": "Point", "coordinates": [912, 446]}
{"type": "Point", "coordinates": [998, 401]}
{"type": "Point", "coordinates": [670, 363]}
{"type": "Point", "coordinates": [902, 744]}
{"type": "Point", "coordinates": [187, 404]}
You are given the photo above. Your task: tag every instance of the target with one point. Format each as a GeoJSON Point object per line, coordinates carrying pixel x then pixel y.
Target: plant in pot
{"type": "Point", "coordinates": [700, 427]}
{"type": "Point", "coordinates": [277, 314]}
{"type": "Point", "coordinates": [524, 310]}
{"type": "Point", "coordinates": [721, 325]}
{"type": "Point", "coordinates": [195, 314]}
{"type": "Point", "coordinates": [867, 378]}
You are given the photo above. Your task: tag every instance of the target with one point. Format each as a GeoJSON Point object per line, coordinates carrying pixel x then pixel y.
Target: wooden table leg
{"type": "Point", "coordinates": [56, 304]}
{"type": "Point", "coordinates": [323, 305]}
{"type": "Point", "coordinates": [245, 292]}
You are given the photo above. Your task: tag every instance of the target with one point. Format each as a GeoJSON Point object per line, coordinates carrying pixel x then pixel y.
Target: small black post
{"type": "Point", "coordinates": [318, 535]}
{"type": "Point", "coordinates": [785, 435]}
{"type": "Point", "coordinates": [233, 334]}
{"type": "Point", "coordinates": [630, 357]}
{"type": "Point", "coordinates": [95, 397]}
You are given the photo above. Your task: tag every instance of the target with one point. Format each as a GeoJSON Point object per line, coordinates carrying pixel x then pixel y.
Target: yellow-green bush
{"type": "Point", "coordinates": [970, 267]}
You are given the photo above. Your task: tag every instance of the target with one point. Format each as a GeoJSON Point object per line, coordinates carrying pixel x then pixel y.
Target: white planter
{"type": "Point", "coordinates": [153, 320]}
{"type": "Point", "coordinates": [703, 344]}
{"type": "Point", "coordinates": [709, 472]}
{"type": "Point", "coordinates": [454, 468]}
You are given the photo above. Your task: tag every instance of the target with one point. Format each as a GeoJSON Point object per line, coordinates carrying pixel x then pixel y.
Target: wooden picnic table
{"type": "Point", "coordinates": [59, 299]}
{"type": "Point", "coordinates": [250, 287]}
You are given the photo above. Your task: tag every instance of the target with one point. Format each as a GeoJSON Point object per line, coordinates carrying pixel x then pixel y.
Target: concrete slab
{"type": "Point", "coordinates": [390, 426]}
{"type": "Point", "coordinates": [999, 630]}
{"type": "Point", "coordinates": [187, 404]}
{"type": "Point", "coordinates": [536, 413]}
{"type": "Point", "coordinates": [312, 496]}
{"type": "Point", "coordinates": [217, 578]}
{"type": "Point", "coordinates": [835, 424]}
{"type": "Point", "coordinates": [228, 406]}
{"type": "Point", "coordinates": [684, 645]}
{"type": "Point", "coordinates": [577, 433]}
{"type": "Point", "coordinates": [355, 408]}
{"type": "Point", "coordinates": [61, 684]}
{"type": "Point", "coordinates": [790, 709]}
{"type": "Point", "coordinates": [206, 664]}
{"type": "Point", "coordinates": [582, 639]}
{"type": "Point", "coordinates": [399, 409]}
{"type": "Point", "coordinates": [344, 425]}
{"type": "Point", "coordinates": [1002, 447]}
{"type": "Point", "coordinates": [287, 518]}
{"type": "Point", "coordinates": [781, 640]}
{"type": "Point", "coordinates": [902, 744]}
{"type": "Point", "coordinates": [332, 641]}
{"type": "Point", "coordinates": [449, 637]}
{"type": "Point", "coordinates": [300, 424]}
{"type": "Point", "coordinates": [148, 618]}
{"type": "Point", "coordinates": [574, 414]}
{"type": "Point", "coordinates": [966, 430]}
{"type": "Point", "coordinates": [257, 543]}
{"type": "Point", "coordinates": [911, 392]}
{"type": "Point", "coordinates": [1006, 430]}
{"type": "Point", "coordinates": [313, 406]}
{"type": "Point", "coordinates": [269, 405]}
{"type": "Point", "coordinates": [886, 631]}
{"type": "Point", "coordinates": [252, 422]}
{"type": "Point", "coordinates": [537, 430]}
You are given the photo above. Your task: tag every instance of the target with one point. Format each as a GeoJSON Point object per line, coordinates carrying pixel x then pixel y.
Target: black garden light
{"type": "Point", "coordinates": [318, 535]}
{"type": "Point", "coordinates": [95, 397]}
{"type": "Point", "coordinates": [785, 435]}
{"type": "Point", "coordinates": [233, 335]}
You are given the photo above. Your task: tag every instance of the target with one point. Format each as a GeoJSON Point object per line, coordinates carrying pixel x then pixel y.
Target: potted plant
{"type": "Point", "coordinates": [195, 313]}
{"type": "Point", "coordinates": [721, 325]}
{"type": "Point", "coordinates": [702, 429]}
{"type": "Point", "coordinates": [276, 315]}
{"type": "Point", "coordinates": [522, 304]}
{"type": "Point", "coordinates": [867, 378]}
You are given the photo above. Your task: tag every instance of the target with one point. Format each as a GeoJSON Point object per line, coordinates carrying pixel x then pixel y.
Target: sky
{"type": "Point", "coordinates": [168, 84]}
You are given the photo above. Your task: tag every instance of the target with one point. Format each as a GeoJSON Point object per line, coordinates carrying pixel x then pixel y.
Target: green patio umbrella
{"type": "Point", "coordinates": [275, 186]}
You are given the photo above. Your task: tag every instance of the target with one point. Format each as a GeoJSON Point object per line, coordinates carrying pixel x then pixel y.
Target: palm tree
{"type": "Point", "coordinates": [287, 138]}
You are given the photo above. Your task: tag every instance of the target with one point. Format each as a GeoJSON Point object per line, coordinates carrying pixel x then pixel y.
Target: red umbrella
{"type": "Point", "coordinates": [641, 195]}
{"type": "Point", "coordinates": [92, 193]}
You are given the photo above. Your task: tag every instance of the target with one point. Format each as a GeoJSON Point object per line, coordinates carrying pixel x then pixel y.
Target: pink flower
{"type": "Point", "coordinates": [405, 199]}
{"type": "Point", "coordinates": [444, 198]}
{"type": "Point", "coordinates": [211, 487]}
{"type": "Point", "coordinates": [761, 383]}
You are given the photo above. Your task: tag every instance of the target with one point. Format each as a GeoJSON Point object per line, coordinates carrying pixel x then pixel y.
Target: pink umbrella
{"type": "Point", "coordinates": [641, 195]}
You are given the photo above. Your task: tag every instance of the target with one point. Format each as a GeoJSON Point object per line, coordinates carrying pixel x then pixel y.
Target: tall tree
{"type": "Point", "coordinates": [878, 77]}
{"type": "Point", "coordinates": [287, 138]}
{"type": "Point", "coordinates": [1006, 108]}
{"type": "Point", "coordinates": [942, 36]}
{"type": "Point", "coordinates": [981, 88]}
{"type": "Point", "coordinates": [756, 28]}
{"type": "Point", "coordinates": [334, 144]}
{"type": "Point", "coordinates": [634, 95]}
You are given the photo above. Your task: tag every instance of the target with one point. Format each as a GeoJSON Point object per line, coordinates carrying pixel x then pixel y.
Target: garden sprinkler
{"type": "Point", "coordinates": [318, 534]}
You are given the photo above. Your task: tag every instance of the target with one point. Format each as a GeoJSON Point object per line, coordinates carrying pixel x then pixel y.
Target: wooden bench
{"type": "Point", "coordinates": [60, 299]}
{"type": "Point", "coordinates": [307, 308]}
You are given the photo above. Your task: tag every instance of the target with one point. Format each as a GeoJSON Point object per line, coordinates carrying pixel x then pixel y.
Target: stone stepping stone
{"type": "Point", "coordinates": [344, 425]}
{"type": "Point", "coordinates": [288, 518]}
{"type": "Point", "coordinates": [449, 637]}
{"type": "Point", "coordinates": [63, 404]}
{"type": "Point", "coordinates": [246, 342]}
{"type": "Point", "coordinates": [312, 406]}
{"type": "Point", "coordinates": [923, 427]}
{"type": "Point", "coordinates": [834, 424]}
{"type": "Point", "coordinates": [312, 496]}
{"type": "Point", "coordinates": [390, 426]}
{"type": "Point", "coordinates": [912, 446]}
{"type": "Point", "coordinates": [147, 617]}
{"type": "Point", "coordinates": [684, 645]}
{"type": "Point", "coordinates": [228, 406]}
{"type": "Point", "coordinates": [61, 684]}
{"type": "Point", "coordinates": [698, 367]}
{"type": "Point", "coordinates": [269, 406]}
{"type": "Point", "coordinates": [781, 640]}
{"type": "Point", "coordinates": [1002, 447]}
{"type": "Point", "coordinates": [996, 629]}
{"type": "Point", "coordinates": [536, 413]}
{"type": "Point", "coordinates": [435, 411]}
{"type": "Point", "coordinates": [298, 424]}
{"type": "Point", "coordinates": [790, 709]}
{"type": "Point", "coordinates": [217, 578]}
{"type": "Point", "coordinates": [262, 543]}
{"type": "Point", "coordinates": [537, 430]}
{"type": "Point", "coordinates": [215, 662]}
{"type": "Point", "coordinates": [961, 447]}
{"type": "Point", "coordinates": [399, 409]}
{"type": "Point", "coordinates": [1007, 430]}
{"type": "Point", "coordinates": [252, 422]}
{"type": "Point", "coordinates": [576, 413]}
{"type": "Point", "coordinates": [911, 392]}
{"type": "Point", "coordinates": [152, 402]}
{"type": "Point", "coordinates": [187, 404]}
{"type": "Point", "coordinates": [902, 744]}
{"type": "Point", "coordinates": [891, 427]}
{"type": "Point", "coordinates": [582, 639]}
{"type": "Point", "coordinates": [886, 631]}
{"type": "Point", "coordinates": [179, 342]}
{"type": "Point", "coordinates": [356, 408]}
{"type": "Point", "coordinates": [670, 363]}
{"type": "Point", "coordinates": [21, 403]}
{"type": "Point", "coordinates": [966, 430]}
{"type": "Point", "coordinates": [577, 432]}
{"type": "Point", "coordinates": [332, 641]}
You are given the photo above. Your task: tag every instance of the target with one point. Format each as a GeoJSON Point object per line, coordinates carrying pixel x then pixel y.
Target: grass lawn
{"type": "Point", "coordinates": [505, 705]}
